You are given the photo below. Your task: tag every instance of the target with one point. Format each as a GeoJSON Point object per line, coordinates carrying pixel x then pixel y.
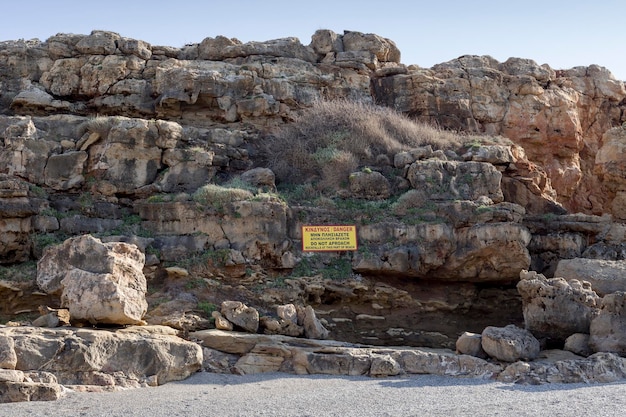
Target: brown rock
{"type": "Point", "coordinates": [99, 282]}
{"type": "Point", "coordinates": [471, 344]}
{"type": "Point", "coordinates": [555, 308]}
{"type": "Point", "coordinates": [370, 185]}
{"type": "Point", "coordinates": [608, 330]}
{"type": "Point", "coordinates": [604, 276]}
{"type": "Point", "coordinates": [241, 315]}
{"type": "Point", "coordinates": [510, 343]}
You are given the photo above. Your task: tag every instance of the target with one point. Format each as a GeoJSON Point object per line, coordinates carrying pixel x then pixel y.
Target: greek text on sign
{"type": "Point", "coordinates": [328, 238]}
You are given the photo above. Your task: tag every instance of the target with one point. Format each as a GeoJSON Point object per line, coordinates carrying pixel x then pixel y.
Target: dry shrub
{"type": "Point", "coordinates": [410, 200]}
{"type": "Point", "coordinates": [101, 125]}
{"type": "Point", "coordinates": [218, 196]}
{"type": "Point", "coordinates": [332, 138]}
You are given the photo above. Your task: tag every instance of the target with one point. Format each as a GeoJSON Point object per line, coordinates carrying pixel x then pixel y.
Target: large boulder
{"type": "Point", "coordinates": [605, 276]}
{"type": "Point", "coordinates": [608, 329]}
{"type": "Point", "coordinates": [129, 357]}
{"type": "Point", "coordinates": [470, 344]}
{"type": "Point", "coordinates": [554, 308]}
{"type": "Point", "coordinates": [98, 282]}
{"type": "Point", "coordinates": [510, 343]}
{"type": "Point", "coordinates": [241, 315]}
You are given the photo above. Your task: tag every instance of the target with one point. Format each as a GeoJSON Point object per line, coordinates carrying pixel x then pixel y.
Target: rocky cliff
{"type": "Point", "coordinates": [114, 137]}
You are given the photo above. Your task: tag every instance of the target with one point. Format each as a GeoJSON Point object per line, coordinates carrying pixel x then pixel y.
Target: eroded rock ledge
{"type": "Point", "coordinates": [243, 353]}
{"type": "Point", "coordinates": [35, 362]}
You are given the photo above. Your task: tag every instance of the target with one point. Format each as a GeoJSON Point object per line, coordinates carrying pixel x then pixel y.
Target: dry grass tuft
{"type": "Point", "coordinates": [333, 138]}
{"type": "Point", "coordinates": [218, 196]}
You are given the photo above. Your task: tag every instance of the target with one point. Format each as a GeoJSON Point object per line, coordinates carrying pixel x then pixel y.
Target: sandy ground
{"type": "Point", "coordinates": [206, 394]}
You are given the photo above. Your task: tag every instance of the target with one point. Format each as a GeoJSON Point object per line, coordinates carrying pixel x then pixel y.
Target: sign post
{"type": "Point", "coordinates": [321, 238]}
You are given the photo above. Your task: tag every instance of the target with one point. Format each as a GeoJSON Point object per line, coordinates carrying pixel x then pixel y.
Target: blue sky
{"type": "Point", "coordinates": [563, 34]}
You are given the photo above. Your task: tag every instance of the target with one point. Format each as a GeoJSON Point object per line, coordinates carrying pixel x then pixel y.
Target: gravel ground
{"type": "Point", "coordinates": [206, 394]}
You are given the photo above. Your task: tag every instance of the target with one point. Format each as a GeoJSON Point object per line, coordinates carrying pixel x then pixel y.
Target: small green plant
{"type": "Point", "coordinates": [85, 200]}
{"type": "Point", "coordinates": [195, 283]}
{"type": "Point", "coordinates": [206, 308]}
{"type": "Point", "coordinates": [304, 268]}
{"type": "Point", "coordinates": [484, 209]}
{"type": "Point", "coordinates": [278, 282]}
{"type": "Point", "coordinates": [213, 257]}
{"type": "Point", "coordinates": [131, 225]}
{"type": "Point", "coordinates": [25, 271]}
{"type": "Point", "coordinates": [43, 240]}
{"type": "Point", "coordinates": [37, 191]}
{"type": "Point", "coordinates": [159, 198]}
{"type": "Point", "coordinates": [365, 250]}
{"type": "Point", "coordinates": [338, 269]}
{"type": "Point", "coordinates": [298, 193]}
{"type": "Point", "coordinates": [52, 213]}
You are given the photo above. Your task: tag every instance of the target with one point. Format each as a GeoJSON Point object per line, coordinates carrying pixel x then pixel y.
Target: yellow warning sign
{"type": "Point", "coordinates": [328, 238]}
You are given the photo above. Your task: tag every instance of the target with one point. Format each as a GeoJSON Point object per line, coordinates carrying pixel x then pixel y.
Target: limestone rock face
{"type": "Point", "coordinates": [449, 180]}
{"type": "Point", "coordinates": [545, 111]}
{"type": "Point", "coordinates": [608, 329]}
{"type": "Point", "coordinates": [555, 308]}
{"type": "Point", "coordinates": [510, 343]}
{"type": "Point", "coordinates": [17, 386]}
{"type": "Point", "coordinates": [16, 211]}
{"type": "Point", "coordinates": [99, 282]}
{"type": "Point", "coordinates": [604, 276]}
{"type": "Point", "coordinates": [130, 357]}
{"type": "Point", "coordinates": [610, 162]}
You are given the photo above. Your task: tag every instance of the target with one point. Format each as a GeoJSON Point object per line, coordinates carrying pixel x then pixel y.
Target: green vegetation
{"type": "Point", "coordinates": [43, 240]}
{"type": "Point", "coordinates": [365, 211]}
{"type": "Point", "coordinates": [25, 271]}
{"type": "Point", "coordinates": [210, 257]}
{"type": "Point", "coordinates": [335, 268]}
{"type": "Point", "coordinates": [159, 198]}
{"type": "Point", "coordinates": [85, 200]}
{"type": "Point", "coordinates": [338, 269]}
{"type": "Point", "coordinates": [195, 283]}
{"type": "Point", "coordinates": [206, 308]}
{"type": "Point", "coordinates": [37, 191]}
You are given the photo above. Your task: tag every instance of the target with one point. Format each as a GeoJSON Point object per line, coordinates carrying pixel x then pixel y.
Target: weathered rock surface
{"type": "Point", "coordinates": [99, 282]}
{"type": "Point", "coordinates": [578, 343]}
{"type": "Point", "coordinates": [604, 276]}
{"type": "Point", "coordinates": [598, 368]}
{"type": "Point", "coordinates": [241, 315]}
{"type": "Point", "coordinates": [608, 330]}
{"type": "Point", "coordinates": [17, 386]}
{"type": "Point", "coordinates": [130, 357]}
{"type": "Point", "coordinates": [263, 353]}
{"type": "Point", "coordinates": [510, 343]}
{"type": "Point", "coordinates": [554, 308]}
{"type": "Point", "coordinates": [470, 344]}
{"type": "Point", "coordinates": [233, 352]}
